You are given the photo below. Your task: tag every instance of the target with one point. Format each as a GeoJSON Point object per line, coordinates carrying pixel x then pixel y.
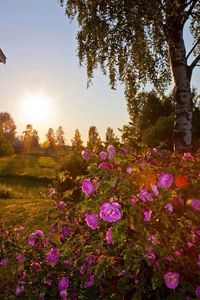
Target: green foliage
{"type": "Point", "coordinates": [7, 134]}
{"type": "Point", "coordinates": [132, 267]}
{"type": "Point", "coordinates": [139, 42]}
{"type": "Point", "coordinates": [77, 143]}
{"type": "Point", "coordinates": [129, 40]}
{"type": "Point", "coordinates": [152, 120]}
{"type": "Point", "coordinates": [94, 141]}
{"type": "Point", "coordinates": [111, 138]}
{"type": "Point", "coordinates": [160, 133]}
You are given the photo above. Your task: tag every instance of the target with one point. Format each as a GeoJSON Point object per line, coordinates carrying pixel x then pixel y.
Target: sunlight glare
{"type": "Point", "coordinates": [37, 108]}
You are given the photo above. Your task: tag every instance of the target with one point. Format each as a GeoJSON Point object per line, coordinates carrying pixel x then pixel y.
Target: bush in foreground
{"type": "Point", "coordinates": [134, 234]}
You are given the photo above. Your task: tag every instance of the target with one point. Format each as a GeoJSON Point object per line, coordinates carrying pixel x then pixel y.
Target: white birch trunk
{"type": "Point", "coordinates": [183, 95]}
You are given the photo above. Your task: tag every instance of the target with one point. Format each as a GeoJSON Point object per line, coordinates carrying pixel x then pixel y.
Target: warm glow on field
{"type": "Point", "coordinates": [36, 108]}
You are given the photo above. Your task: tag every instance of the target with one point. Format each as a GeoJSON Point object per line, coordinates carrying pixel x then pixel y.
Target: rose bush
{"type": "Point", "coordinates": [134, 234]}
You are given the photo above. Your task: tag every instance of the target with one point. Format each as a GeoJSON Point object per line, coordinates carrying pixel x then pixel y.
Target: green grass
{"type": "Point", "coordinates": [28, 166]}
{"type": "Point", "coordinates": [28, 177]}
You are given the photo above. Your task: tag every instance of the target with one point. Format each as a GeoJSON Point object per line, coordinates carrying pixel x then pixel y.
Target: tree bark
{"type": "Point", "coordinates": [182, 76]}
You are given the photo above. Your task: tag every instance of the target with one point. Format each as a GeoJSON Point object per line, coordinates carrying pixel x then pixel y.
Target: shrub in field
{"type": "Point", "coordinates": [133, 234]}
{"type": "Point", "coordinates": [5, 191]}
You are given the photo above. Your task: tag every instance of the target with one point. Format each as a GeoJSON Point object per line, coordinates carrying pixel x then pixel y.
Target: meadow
{"type": "Point", "coordinates": [24, 180]}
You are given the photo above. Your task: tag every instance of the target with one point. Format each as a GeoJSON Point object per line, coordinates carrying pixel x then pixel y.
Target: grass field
{"type": "Point", "coordinates": [28, 177]}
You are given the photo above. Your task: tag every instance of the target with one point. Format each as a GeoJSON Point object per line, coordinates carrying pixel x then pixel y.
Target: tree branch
{"type": "Point", "coordinates": [190, 52]}
{"type": "Point", "coordinates": [195, 61]}
{"type": "Point", "coordinates": [187, 4]}
{"type": "Point", "coordinates": [188, 12]}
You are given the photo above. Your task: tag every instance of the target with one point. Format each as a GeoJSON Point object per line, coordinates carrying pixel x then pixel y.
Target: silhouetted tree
{"type": "Point", "coordinates": [94, 141]}
{"type": "Point", "coordinates": [77, 143]}
{"type": "Point", "coordinates": [111, 138]}
{"type": "Point", "coordinates": [7, 126]}
{"type": "Point", "coordinates": [60, 140]}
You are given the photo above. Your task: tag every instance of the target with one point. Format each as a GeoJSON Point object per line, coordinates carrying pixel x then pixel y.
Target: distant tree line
{"type": "Point", "coordinates": [55, 142]}
{"type": "Point", "coordinates": [151, 125]}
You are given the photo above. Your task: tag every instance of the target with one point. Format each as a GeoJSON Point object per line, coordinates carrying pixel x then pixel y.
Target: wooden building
{"type": "Point", "coordinates": [2, 57]}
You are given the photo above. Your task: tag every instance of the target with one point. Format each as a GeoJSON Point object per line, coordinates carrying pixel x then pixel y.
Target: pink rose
{"type": "Point", "coordinates": [92, 220]}
{"type": "Point", "coordinates": [171, 279]}
{"type": "Point", "coordinates": [87, 187]}
{"type": "Point", "coordinates": [85, 154]}
{"type": "Point", "coordinates": [109, 236]}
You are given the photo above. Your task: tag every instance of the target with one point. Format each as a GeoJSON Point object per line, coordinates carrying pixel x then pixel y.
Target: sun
{"type": "Point", "coordinates": [36, 108]}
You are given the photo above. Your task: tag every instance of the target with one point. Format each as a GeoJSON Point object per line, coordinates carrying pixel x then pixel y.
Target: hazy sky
{"type": "Point", "coordinates": [40, 45]}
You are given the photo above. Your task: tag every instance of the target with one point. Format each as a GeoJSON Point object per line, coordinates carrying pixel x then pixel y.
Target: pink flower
{"type": "Point", "coordinates": [197, 292]}
{"type": "Point", "coordinates": [67, 261]}
{"type": "Point", "coordinates": [110, 212]}
{"type": "Point", "coordinates": [169, 258]}
{"type": "Point", "coordinates": [178, 252]}
{"type": "Point", "coordinates": [87, 187]}
{"type": "Point", "coordinates": [187, 155]}
{"type": "Point", "coordinates": [63, 294]}
{"type": "Point", "coordinates": [144, 195]}
{"type": "Point", "coordinates": [85, 154]}
{"type": "Point", "coordinates": [31, 239]}
{"type": "Point", "coordinates": [39, 233]}
{"type": "Point", "coordinates": [65, 232]}
{"type": "Point", "coordinates": [169, 207]}
{"type": "Point", "coordinates": [129, 170]}
{"type": "Point", "coordinates": [48, 282]}
{"type": "Point", "coordinates": [51, 191]}
{"type": "Point", "coordinates": [61, 205]}
{"type": "Point", "coordinates": [35, 266]}
{"type": "Point", "coordinates": [90, 259]}
{"type": "Point", "coordinates": [165, 180]}
{"type": "Point", "coordinates": [195, 204]}
{"type": "Point", "coordinates": [102, 155]}
{"type": "Point", "coordinates": [147, 215]}
{"type": "Point", "coordinates": [105, 165]}
{"type": "Point", "coordinates": [63, 284]}
{"type": "Point", "coordinates": [83, 269]}
{"type": "Point", "coordinates": [155, 189]}
{"type": "Point", "coordinates": [189, 244]}
{"type": "Point", "coordinates": [109, 236]}
{"type": "Point", "coordinates": [111, 151]}
{"type": "Point", "coordinates": [54, 227]}
{"type": "Point", "coordinates": [125, 150]}
{"type": "Point", "coordinates": [133, 200]}
{"type": "Point", "coordinates": [171, 279]}
{"type": "Point", "coordinates": [19, 228]}
{"type": "Point", "coordinates": [92, 220]}
{"type": "Point", "coordinates": [19, 290]}
{"type": "Point", "coordinates": [20, 258]}
{"type": "Point", "coordinates": [151, 256]}
{"type": "Point", "coordinates": [52, 256]}
{"type": "Point", "coordinates": [41, 296]}
{"type": "Point", "coordinates": [3, 262]}
{"type": "Point", "coordinates": [153, 239]}
{"type": "Point", "coordinates": [89, 281]}
{"type": "Point", "coordinates": [154, 150]}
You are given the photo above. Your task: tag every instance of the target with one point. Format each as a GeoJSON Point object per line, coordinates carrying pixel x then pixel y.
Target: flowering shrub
{"type": "Point", "coordinates": [134, 234]}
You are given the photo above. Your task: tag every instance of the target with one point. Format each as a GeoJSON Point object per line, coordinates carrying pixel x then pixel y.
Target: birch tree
{"type": "Point", "coordinates": [142, 41]}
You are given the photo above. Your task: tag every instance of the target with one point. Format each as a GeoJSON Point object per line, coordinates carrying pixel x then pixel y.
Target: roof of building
{"type": "Point", "coordinates": [2, 57]}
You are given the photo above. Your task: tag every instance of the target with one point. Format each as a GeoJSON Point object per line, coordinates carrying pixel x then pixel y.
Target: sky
{"type": "Point", "coordinates": [42, 68]}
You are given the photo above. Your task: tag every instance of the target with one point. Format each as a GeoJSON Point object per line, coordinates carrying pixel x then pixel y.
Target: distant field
{"type": "Point", "coordinates": [28, 177]}
{"type": "Point", "coordinates": [29, 166]}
